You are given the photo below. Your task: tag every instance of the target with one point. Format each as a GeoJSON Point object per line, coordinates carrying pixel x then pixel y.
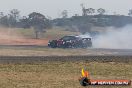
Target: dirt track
{"type": "Point", "coordinates": [23, 41]}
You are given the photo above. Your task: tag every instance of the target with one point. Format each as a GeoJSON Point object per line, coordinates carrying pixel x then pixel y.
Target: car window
{"type": "Point", "coordinates": [68, 38]}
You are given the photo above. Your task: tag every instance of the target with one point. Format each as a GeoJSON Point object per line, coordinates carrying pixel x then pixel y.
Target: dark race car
{"type": "Point", "coordinates": [71, 42]}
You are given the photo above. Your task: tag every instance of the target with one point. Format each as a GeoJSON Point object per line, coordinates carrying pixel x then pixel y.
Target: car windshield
{"type": "Point", "coordinates": [68, 38]}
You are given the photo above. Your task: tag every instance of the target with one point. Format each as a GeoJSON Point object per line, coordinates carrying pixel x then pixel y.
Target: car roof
{"type": "Point", "coordinates": [79, 36]}
{"type": "Point", "coordinates": [84, 36]}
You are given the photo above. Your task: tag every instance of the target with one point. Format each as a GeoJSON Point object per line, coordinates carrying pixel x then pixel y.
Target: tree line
{"type": "Point", "coordinates": [82, 23]}
{"type": "Point", "coordinates": [36, 20]}
{"type": "Point", "coordinates": [90, 18]}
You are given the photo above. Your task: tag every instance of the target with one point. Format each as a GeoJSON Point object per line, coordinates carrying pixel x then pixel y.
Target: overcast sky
{"type": "Point", "coordinates": [53, 8]}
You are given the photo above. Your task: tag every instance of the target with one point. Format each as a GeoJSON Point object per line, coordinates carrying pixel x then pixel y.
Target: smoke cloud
{"type": "Point", "coordinates": [114, 38]}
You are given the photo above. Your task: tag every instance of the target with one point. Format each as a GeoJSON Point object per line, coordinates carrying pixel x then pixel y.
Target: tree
{"type": "Point", "coordinates": [4, 21]}
{"type": "Point", "coordinates": [130, 12]}
{"type": "Point", "coordinates": [1, 14]}
{"type": "Point", "coordinates": [24, 22]}
{"type": "Point", "coordinates": [39, 22]}
{"type": "Point", "coordinates": [83, 10]}
{"type": "Point", "coordinates": [64, 14]}
{"type": "Point", "coordinates": [15, 13]}
{"type": "Point", "coordinates": [87, 11]}
{"type": "Point", "coordinates": [13, 17]}
{"type": "Point", "coordinates": [90, 11]}
{"type": "Point", "coordinates": [76, 15]}
{"type": "Point", "coordinates": [101, 11]}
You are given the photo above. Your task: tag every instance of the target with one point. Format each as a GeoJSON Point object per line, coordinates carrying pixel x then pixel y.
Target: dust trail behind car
{"type": "Point", "coordinates": [114, 38]}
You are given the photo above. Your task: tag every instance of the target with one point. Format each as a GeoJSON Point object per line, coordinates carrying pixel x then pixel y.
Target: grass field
{"type": "Point", "coordinates": [54, 74]}
{"type": "Point", "coordinates": [61, 74]}
{"type": "Point", "coordinates": [54, 33]}
{"type": "Point", "coordinates": [27, 51]}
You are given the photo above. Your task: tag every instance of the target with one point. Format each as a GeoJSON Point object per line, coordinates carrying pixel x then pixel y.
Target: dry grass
{"type": "Point", "coordinates": [54, 33]}
{"type": "Point", "coordinates": [55, 74]}
{"type": "Point", "coordinates": [60, 74]}
{"type": "Point", "coordinates": [32, 51]}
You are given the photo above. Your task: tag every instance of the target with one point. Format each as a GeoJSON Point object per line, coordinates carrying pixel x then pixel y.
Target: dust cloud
{"type": "Point", "coordinates": [15, 36]}
{"type": "Point", "coordinates": [114, 38]}
{"type": "Point", "coordinates": [9, 33]}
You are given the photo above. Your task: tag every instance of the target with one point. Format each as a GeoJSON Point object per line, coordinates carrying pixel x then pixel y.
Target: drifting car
{"type": "Point", "coordinates": [71, 41]}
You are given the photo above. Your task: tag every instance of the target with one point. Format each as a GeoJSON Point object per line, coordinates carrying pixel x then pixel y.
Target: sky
{"type": "Point", "coordinates": [53, 8]}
